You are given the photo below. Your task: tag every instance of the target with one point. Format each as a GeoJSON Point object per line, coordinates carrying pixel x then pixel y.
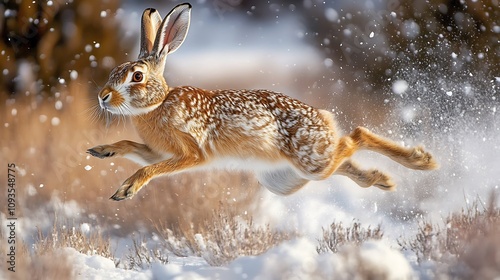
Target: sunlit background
{"type": "Point", "coordinates": [419, 72]}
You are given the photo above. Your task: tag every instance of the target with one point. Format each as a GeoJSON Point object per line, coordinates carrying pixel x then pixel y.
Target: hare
{"type": "Point", "coordinates": [284, 141]}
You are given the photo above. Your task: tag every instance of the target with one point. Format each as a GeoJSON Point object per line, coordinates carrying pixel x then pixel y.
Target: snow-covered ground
{"type": "Point", "coordinates": [296, 259]}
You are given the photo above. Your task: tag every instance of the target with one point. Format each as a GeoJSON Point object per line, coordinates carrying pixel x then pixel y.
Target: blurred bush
{"type": "Point", "coordinates": [448, 36]}
{"type": "Point", "coordinates": [451, 36]}
{"type": "Point", "coordinates": [48, 43]}
{"type": "Point", "coordinates": [374, 41]}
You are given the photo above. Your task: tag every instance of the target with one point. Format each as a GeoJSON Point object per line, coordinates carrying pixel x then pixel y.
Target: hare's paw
{"type": "Point", "coordinates": [125, 191]}
{"type": "Point", "coordinates": [422, 160]}
{"type": "Point", "coordinates": [102, 151]}
{"type": "Point", "coordinates": [383, 181]}
{"type": "Point", "coordinates": [130, 187]}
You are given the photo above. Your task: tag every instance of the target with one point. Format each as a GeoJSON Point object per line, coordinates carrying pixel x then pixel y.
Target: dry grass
{"type": "Point", "coordinates": [38, 260]}
{"type": "Point", "coordinates": [140, 256]}
{"type": "Point", "coordinates": [87, 241]}
{"type": "Point", "coordinates": [338, 235]}
{"type": "Point", "coordinates": [467, 245]}
{"type": "Point", "coordinates": [35, 266]}
{"type": "Point", "coordinates": [223, 238]}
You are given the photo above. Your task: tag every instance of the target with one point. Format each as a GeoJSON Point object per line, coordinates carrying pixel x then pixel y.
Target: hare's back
{"type": "Point", "coordinates": [304, 134]}
{"type": "Point", "coordinates": [259, 123]}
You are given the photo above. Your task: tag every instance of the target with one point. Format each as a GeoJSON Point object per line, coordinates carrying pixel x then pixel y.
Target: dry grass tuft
{"type": "Point", "coordinates": [84, 240]}
{"type": "Point", "coordinates": [34, 266]}
{"type": "Point", "coordinates": [338, 235]}
{"type": "Point", "coordinates": [468, 238]}
{"type": "Point", "coordinates": [140, 256]}
{"type": "Point", "coordinates": [223, 238]}
{"type": "Point", "coordinates": [432, 241]}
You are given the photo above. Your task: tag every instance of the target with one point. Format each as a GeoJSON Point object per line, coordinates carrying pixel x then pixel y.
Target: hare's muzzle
{"type": "Point", "coordinates": [105, 97]}
{"type": "Point", "coordinates": [109, 99]}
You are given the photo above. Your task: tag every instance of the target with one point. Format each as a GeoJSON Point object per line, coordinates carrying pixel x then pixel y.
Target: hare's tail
{"type": "Point", "coordinates": [282, 181]}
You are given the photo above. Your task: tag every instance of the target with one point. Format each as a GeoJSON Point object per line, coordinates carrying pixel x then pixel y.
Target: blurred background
{"type": "Point", "coordinates": [416, 71]}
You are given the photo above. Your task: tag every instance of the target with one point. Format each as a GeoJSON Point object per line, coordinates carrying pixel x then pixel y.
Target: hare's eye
{"type": "Point", "coordinates": [137, 77]}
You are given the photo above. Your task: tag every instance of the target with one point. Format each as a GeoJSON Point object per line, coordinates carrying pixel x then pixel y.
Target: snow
{"type": "Point", "coordinates": [98, 267]}
{"type": "Point", "coordinates": [296, 259]}
{"type": "Point", "coordinates": [85, 228]}
{"type": "Point", "coordinates": [410, 29]}
{"type": "Point", "coordinates": [55, 121]}
{"type": "Point", "coordinates": [88, 48]}
{"type": "Point", "coordinates": [331, 15]}
{"type": "Point", "coordinates": [58, 105]}
{"type": "Point", "coordinates": [399, 87]}
{"type": "Point", "coordinates": [73, 75]}
{"type": "Point", "coordinates": [328, 62]}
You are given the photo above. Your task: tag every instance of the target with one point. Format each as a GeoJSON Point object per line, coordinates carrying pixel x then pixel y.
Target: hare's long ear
{"type": "Point", "coordinates": [150, 23]}
{"type": "Point", "coordinates": [172, 31]}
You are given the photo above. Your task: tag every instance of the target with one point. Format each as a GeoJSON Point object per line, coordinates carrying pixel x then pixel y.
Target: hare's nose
{"type": "Point", "coordinates": [106, 97]}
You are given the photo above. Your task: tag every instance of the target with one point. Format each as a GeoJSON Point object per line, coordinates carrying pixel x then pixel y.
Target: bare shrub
{"type": "Point", "coordinates": [223, 238]}
{"type": "Point", "coordinates": [61, 236]}
{"type": "Point", "coordinates": [141, 257]}
{"type": "Point", "coordinates": [425, 244]}
{"type": "Point", "coordinates": [460, 229]}
{"type": "Point", "coordinates": [338, 235]}
{"type": "Point", "coordinates": [468, 237]}
{"type": "Point", "coordinates": [32, 266]}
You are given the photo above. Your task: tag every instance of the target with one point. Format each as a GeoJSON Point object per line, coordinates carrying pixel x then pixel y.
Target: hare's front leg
{"type": "Point", "coordinates": [139, 153]}
{"type": "Point", "coordinates": [140, 178]}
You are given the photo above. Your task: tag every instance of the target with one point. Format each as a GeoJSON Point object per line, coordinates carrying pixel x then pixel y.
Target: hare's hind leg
{"type": "Point", "coordinates": [365, 178]}
{"type": "Point", "coordinates": [362, 138]}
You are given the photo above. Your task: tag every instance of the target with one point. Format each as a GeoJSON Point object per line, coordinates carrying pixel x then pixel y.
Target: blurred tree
{"type": "Point", "coordinates": [46, 43]}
